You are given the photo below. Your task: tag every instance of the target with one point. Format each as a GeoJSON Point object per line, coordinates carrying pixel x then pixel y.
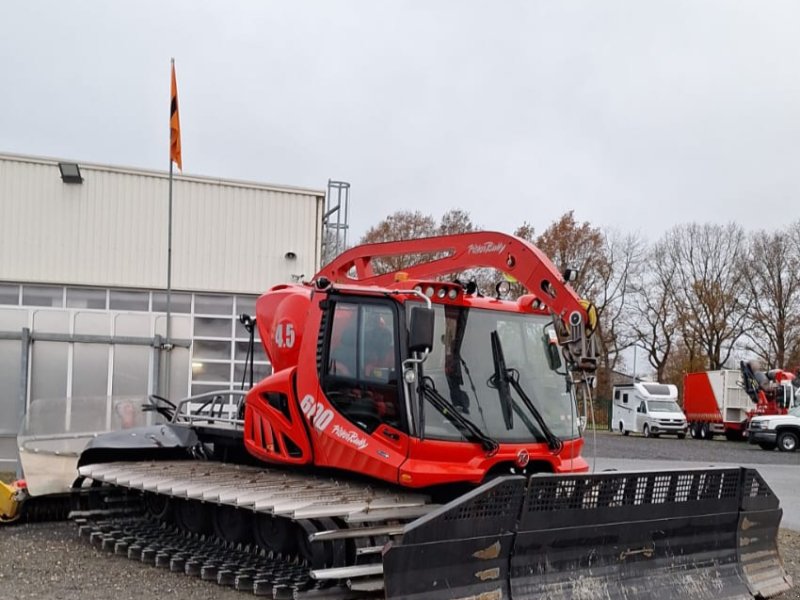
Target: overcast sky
{"type": "Point", "coordinates": [637, 113]}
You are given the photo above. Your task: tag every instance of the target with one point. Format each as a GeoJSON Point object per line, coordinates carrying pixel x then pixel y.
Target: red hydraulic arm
{"type": "Point", "coordinates": [448, 254]}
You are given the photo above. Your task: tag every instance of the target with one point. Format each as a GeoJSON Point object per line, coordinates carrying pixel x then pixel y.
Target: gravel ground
{"type": "Point", "coordinates": [49, 561]}
{"type": "Point", "coordinates": [789, 543]}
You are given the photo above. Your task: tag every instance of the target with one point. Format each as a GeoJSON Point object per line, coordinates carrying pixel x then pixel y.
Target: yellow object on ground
{"type": "Point", "coordinates": [9, 502]}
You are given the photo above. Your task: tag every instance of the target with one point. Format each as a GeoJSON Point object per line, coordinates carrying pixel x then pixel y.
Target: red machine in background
{"type": "Point", "coordinates": [723, 402]}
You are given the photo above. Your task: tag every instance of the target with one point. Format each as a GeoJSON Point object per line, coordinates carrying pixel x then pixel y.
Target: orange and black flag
{"type": "Point", "coordinates": [174, 124]}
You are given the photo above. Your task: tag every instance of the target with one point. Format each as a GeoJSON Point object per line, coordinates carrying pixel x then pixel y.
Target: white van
{"type": "Point", "coordinates": [647, 408]}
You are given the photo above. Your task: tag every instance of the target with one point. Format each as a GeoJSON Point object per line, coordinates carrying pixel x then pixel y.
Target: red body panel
{"type": "Point", "coordinates": [699, 402]}
{"type": "Point", "coordinates": [270, 433]}
{"type": "Point", "coordinates": [433, 462]}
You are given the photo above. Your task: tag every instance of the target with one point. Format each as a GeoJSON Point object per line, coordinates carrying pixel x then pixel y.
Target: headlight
{"type": "Point", "coordinates": [759, 425]}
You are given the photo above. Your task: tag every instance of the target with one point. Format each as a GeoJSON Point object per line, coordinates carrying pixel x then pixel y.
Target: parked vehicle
{"type": "Point", "coordinates": [723, 402]}
{"type": "Point", "coordinates": [648, 408]}
{"type": "Point", "coordinates": [776, 431]}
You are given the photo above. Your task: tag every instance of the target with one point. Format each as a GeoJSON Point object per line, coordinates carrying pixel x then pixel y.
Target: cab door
{"type": "Point", "coordinates": [357, 417]}
{"type": "Point", "coordinates": [641, 416]}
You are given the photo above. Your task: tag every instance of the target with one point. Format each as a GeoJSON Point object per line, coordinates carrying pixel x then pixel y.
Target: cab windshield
{"type": "Point", "coordinates": [460, 366]}
{"type": "Point", "coordinates": [663, 406]}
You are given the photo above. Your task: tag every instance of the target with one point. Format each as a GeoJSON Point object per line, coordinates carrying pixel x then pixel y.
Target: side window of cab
{"type": "Point", "coordinates": [360, 375]}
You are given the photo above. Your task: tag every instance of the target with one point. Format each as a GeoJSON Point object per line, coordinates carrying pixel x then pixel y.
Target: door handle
{"type": "Point", "coordinates": [390, 434]}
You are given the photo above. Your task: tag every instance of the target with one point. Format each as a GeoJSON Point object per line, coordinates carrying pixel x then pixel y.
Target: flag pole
{"type": "Point", "coordinates": [168, 342]}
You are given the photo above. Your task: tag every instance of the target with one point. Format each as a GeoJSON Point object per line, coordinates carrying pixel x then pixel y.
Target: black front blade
{"type": "Point", "coordinates": [671, 534]}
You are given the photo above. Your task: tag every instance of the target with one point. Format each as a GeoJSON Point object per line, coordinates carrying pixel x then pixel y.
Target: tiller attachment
{"type": "Point", "coordinates": [701, 534]}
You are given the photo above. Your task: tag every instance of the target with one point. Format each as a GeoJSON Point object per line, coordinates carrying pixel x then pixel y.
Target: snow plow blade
{"type": "Point", "coordinates": [628, 535]}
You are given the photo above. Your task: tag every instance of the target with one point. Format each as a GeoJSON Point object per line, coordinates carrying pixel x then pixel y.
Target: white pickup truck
{"type": "Point", "coordinates": [776, 431]}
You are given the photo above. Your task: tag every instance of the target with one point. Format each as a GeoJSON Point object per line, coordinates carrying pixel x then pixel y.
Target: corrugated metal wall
{"type": "Point", "coordinates": [111, 230]}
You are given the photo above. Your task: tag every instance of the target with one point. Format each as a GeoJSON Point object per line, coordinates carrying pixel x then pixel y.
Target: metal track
{"type": "Point", "coordinates": [334, 514]}
{"type": "Point", "coordinates": [245, 568]}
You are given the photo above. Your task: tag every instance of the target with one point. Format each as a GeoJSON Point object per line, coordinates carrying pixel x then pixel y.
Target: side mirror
{"type": "Point", "coordinates": [420, 329]}
{"type": "Point", "coordinates": [552, 351]}
{"type": "Point", "coordinates": [553, 356]}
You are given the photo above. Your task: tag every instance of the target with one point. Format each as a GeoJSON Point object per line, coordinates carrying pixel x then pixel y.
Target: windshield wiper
{"type": "Point", "coordinates": [503, 378]}
{"type": "Point", "coordinates": [553, 440]}
{"type": "Point", "coordinates": [500, 381]}
{"type": "Point", "coordinates": [467, 428]}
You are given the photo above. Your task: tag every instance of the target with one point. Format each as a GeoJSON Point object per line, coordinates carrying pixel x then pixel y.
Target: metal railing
{"type": "Point", "coordinates": [216, 407]}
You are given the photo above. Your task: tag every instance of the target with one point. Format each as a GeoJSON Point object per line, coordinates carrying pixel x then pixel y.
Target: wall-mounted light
{"type": "Point", "coordinates": [70, 172]}
{"type": "Point", "coordinates": [290, 255]}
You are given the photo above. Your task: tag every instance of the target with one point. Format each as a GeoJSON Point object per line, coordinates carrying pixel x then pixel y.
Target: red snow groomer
{"type": "Point", "coordinates": [419, 439]}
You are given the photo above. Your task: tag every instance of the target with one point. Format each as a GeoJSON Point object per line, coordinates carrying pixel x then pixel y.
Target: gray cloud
{"type": "Point", "coordinates": [639, 114]}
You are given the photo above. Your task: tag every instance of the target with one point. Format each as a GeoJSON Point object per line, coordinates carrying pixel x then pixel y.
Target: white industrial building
{"type": "Point", "coordinates": [83, 277]}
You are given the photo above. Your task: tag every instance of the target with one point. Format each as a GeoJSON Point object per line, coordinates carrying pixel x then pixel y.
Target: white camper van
{"type": "Point", "coordinates": [647, 408]}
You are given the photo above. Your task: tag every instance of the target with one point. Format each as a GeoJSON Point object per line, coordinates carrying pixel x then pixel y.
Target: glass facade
{"type": "Point", "coordinates": [215, 360]}
{"type": "Point", "coordinates": [220, 342]}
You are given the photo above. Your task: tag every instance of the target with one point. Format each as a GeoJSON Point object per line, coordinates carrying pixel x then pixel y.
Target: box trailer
{"type": "Point", "coordinates": [716, 403]}
{"type": "Point", "coordinates": [725, 402]}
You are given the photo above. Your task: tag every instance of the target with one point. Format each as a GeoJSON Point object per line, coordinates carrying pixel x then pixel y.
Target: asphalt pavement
{"type": "Point", "coordinates": [781, 470]}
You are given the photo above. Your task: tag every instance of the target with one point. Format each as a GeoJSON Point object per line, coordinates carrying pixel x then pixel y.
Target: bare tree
{"type": "Point", "coordinates": [621, 264]}
{"type": "Point", "coordinates": [652, 315]}
{"type": "Point", "coordinates": [606, 262]}
{"type": "Point", "coordinates": [402, 225]}
{"type": "Point", "coordinates": [525, 231]}
{"type": "Point", "coordinates": [405, 225]}
{"type": "Point", "coordinates": [686, 357]}
{"type": "Point", "coordinates": [709, 291]}
{"type": "Point", "coordinates": [456, 220]}
{"type": "Point", "coordinates": [580, 246]}
{"type": "Point", "coordinates": [772, 273]}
